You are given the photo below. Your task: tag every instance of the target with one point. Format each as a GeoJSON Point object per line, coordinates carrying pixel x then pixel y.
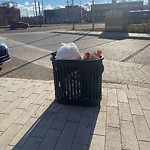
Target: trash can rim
{"type": "Point", "coordinates": [81, 60]}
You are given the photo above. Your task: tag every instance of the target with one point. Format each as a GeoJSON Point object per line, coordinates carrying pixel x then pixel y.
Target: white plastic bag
{"type": "Point", "coordinates": [68, 51]}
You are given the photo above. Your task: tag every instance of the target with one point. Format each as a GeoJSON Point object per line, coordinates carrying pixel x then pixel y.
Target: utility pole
{"type": "Point", "coordinates": [39, 13]}
{"type": "Point", "coordinates": [68, 11]}
{"type": "Point", "coordinates": [43, 12]}
{"type": "Point", "coordinates": [27, 13]}
{"type": "Point", "coordinates": [80, 12]}
{"type": "Point", "coordinates": [93, 15]}
{"type": "Point", "coordinates": [73, 27]}
{"type": "Point", "coordinates": [39, 8]}
{"type": "Point", "coordinates": [33, 11]}
{"type": "Point", "coordinates": [35, 8]}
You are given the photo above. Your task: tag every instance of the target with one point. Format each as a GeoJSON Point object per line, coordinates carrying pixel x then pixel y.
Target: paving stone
{"type": "Point", "coordinates": [148, 95]}
{"type": "Point", "coordinates": [86, 120]}
{"type": "Point", "coordinates": [104, 91]}
{"type": "Point", "coordinates": [147, 116]}
{"type": "Point", "coordinates": [112, 117]}
{"type": "Point", "coordinates": [41, 88]}
{"type": "Point", "coordinates": [50, 86]}
{"type": "Point", "coordinates": [41, 98]}
{"type": "Point", "coordinates": [137, 88]}
{"type": "Point", "coordinates": [32, 143]}
{"type": "Point", "coordinates": [50, 139]}
{"type": "Point", "coordinates": [79, 146]}
{"type": "Point", "coordinates": [15, 95]}
{"type": "Point", "coordinates": [99, 124]}
{"type": "Point", "coordinates": [7, 87]}
{"type": "Point", "coordinates": [145, 103]}
{"type": "Point", "coordinates": [13, 105]}
{"type": "Point", "coordinates": [42, 109]}
{"type": "Point", "coordinates": [19, 86]}
{"type": "Point", "coordinates": [8, 135]}
{"type": "Point", "coordinates": [83, 134]}
{"type": "Point", "coordinates": [90, 111]}
{"type": "Point", "coordinates": [67, 136]}
{"type": "Point", "coordinates": [128, 135]}
{"type": "Point", "coordinates": [140, 92]}
{"type": "Point", "coordinates": [6, 95]}
{"type": "Point", "coordinates": [2, 117]}
{"type": "Point", "coordinates": [27, 101]}
{"type": "Point", "coordinates": [43, 125]}
{"type": "Point", "coordinates": [29, 91]}
{"type": "Point", "coordinates": [10, 119]}
{"type": "Point", "coordinates": [27, 85]}
{"type": "Point", "coordinates": [26, 114]}
{"type": "Point", "coordinates": [144, 145]}
{"type": "Point", "coordinates": [113, 139]}
{"type": "Point", "coordinates": [124, 111]}
{"type": "Point", "coordinates": [75, 114]}
{"type": "Point", "coordinates": [131, 94]}
{"type": "Point", "coordinates": [135, 107]}
{"type": "Point", "coordinates": [112, 97]}
{"type": "Point", "coordinates": [103, 103]}
{"type": "Point", "coordinates": [4, 105]}
{"type": "Point", "coordinates": [12, 148]}
{"type": "Point", "coordinates": [61, 118]}
{"type": "Point", "coordinates": [141, 127]}
{"type": "Point", "coordinates": [97, 142]}
{"type": "Point", "coordinates": [122, 96]}
{"type": "Point", "coordinates": [24, 133]}
{"type": "Point", "coordinates": [51, 96]}
{"type": "Point", "coordinates": [55, 107]}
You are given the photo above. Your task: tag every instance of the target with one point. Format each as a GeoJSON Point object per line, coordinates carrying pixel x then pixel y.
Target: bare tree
{"type": "Point", "coordinates": [12, 13]}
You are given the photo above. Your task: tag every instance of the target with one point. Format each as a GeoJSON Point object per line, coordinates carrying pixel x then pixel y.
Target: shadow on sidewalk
{"type": "Point", "coordinates": [114, 35]}
{"type": "Point", "coordinates": [122, 36]}
{"type": "Point", "coordinates": [61, 127]}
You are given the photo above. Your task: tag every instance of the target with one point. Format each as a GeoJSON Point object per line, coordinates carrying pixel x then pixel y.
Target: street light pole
{"type": "Point", "coordinates": [35, 8]}
{"type": "Point", "coordinates": [73, 27]}
{"type": "Point", "coordinates": [93, 15]}
{"type": "Point", "coordinates": [43, 12]}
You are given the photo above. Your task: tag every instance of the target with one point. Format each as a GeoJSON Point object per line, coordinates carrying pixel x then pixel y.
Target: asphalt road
{"type": "Point", "coordinates": [30, 50]}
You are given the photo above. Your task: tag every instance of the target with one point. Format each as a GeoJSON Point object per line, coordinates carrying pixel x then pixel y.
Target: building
{"type": "Point", "coordinates": [64, 15]}
{"type": "Point", "coordinates": [101, 9]}
{"type": "Point", "coordinates": [3, 19]}
{"type": "Point", "coordinates": [8, 15]}
{"type": "Point", "coordinates": [139, 16]}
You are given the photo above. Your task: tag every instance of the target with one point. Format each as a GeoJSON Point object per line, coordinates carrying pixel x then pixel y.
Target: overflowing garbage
{"type": "Point", "coordinates": [69, 51]}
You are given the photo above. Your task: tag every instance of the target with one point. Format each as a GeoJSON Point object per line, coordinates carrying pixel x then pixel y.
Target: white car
{"type": "Point", "coordinates": [4, 53]}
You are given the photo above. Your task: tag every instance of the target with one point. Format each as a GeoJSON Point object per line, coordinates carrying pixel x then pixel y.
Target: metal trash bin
{"type": "Point", "coordinates": [78, 82]}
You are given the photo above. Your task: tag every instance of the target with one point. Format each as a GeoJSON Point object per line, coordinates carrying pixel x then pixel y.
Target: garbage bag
{"type": "Point", "coordinates": [68, 51]}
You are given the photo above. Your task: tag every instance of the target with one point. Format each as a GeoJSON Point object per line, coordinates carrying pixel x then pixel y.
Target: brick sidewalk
{"type": "Point", "coordinates": [30, 119]}
{"type": "Point", "coordinates": [126, 73]}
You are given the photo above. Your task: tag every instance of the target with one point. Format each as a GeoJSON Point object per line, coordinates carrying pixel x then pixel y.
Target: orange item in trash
{"type": "Point", "coordinates": [99, 53]}
{"type": "Point", "coordinates": [86, 55]}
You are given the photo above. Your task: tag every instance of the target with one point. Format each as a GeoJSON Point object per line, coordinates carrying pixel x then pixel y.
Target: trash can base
{"type": "Point", "coordinates": [78, 103]}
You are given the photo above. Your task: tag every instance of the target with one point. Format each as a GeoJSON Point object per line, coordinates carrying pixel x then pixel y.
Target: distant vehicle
{"type": "Point", "coordinates": [17, 25]}
{"type": "Point", "coordinates": [4, 53]}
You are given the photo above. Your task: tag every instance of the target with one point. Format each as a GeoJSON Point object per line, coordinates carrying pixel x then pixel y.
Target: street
{"type": "Point", "coordinates": [30, 51]}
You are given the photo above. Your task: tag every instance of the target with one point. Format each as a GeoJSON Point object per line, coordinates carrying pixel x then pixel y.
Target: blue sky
{"type": "Point", "coordinates": [26, 6]}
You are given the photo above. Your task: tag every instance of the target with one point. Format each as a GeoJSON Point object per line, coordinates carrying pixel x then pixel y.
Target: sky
{"type": "Point", "coordinates": [26, 6]}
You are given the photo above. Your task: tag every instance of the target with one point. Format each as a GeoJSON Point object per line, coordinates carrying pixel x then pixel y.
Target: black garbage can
{"type": "Point", "coordinates": [78, 82]}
